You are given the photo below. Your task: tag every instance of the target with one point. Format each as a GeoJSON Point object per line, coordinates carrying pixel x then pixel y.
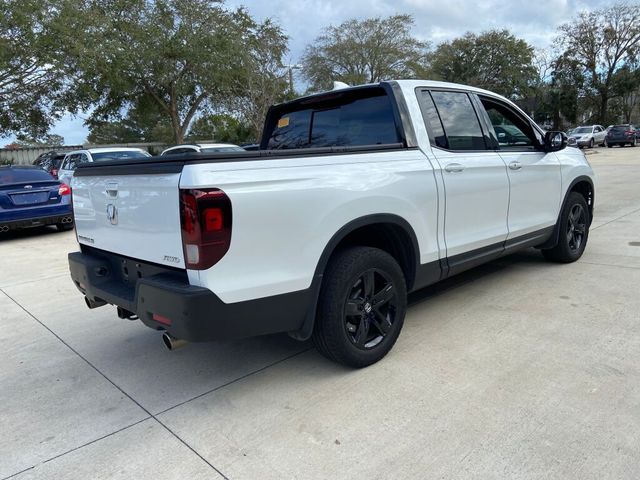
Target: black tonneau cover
{"type": "Point", "coordinates": [174, 163]}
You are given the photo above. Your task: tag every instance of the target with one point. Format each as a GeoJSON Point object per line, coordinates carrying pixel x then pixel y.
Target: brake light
{"type": "Point", "coordinates": [64, 189]}
{"type": "Point", "coordinates": [205, 220]}
{"type": "Point", "coordinates": [161, 319]}
{"type": "Point", "coordinates": [629, 132]}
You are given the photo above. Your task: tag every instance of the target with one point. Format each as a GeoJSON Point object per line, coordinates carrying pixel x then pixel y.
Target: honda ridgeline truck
{"type": "Point", "coordinates": [356, 197]}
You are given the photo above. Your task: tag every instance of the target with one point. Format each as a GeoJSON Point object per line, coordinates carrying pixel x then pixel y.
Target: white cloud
{"type": "Point", "coordinates": [435, 20]}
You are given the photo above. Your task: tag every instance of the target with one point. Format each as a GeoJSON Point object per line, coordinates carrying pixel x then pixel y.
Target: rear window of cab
{"type": "Point", "coordinates": [351, 118]}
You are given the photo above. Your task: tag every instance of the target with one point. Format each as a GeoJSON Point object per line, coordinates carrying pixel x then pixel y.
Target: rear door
{"type": "Point", "coordinates": [475, 178]}
{"type": "Point", "coordinates": [534, 175]}
{"type": "Point", "coordinates": [132, 215]}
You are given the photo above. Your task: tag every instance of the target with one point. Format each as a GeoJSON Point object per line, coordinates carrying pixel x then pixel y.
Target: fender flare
{"type": "Point", "coordinates": [553, 240]}
{"type": "Point", "coordinates": [305, 331]}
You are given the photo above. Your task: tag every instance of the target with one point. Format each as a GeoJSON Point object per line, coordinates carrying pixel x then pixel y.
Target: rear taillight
{"type": "Point", "coordinates": [628, 132]}
{"type": "Point", "coordinates": [205, 219]}
{"type": "Point", "coordinates": [64, 189]}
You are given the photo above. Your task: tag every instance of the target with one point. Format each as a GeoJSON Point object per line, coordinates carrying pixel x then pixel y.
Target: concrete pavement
{"type": "Point", "coordinates": [519, 369]}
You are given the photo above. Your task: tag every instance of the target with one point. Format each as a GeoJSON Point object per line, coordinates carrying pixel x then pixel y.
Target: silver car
{"type": "Point", "coordinates": [75, 158]}
{"type": "Point", "coordinates": [587, 136]}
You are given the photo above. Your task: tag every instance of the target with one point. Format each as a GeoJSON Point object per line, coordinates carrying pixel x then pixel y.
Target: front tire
{"type": "Point", "coordinates": [591, 143]}
{"type": "Point", "coordinates": [573, 231]}
{"type": "Point", "coordinates": [361, 309]}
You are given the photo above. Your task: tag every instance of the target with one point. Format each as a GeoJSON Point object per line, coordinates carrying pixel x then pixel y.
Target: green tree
{"type": "Point", "coordinates": [262, 79]}
{"type": "Point", "coordinates": [220, 128]}
{"type": "Point", "coordinates": [495, 60]}
{"type": "Point", "coordinates": [47, 140]}
{"type": "Point", "coordinates": [601, 41]}
{"type": "Point", "coordinates": [185, 55]}
{"type": "Point", "coordinates": [29, 80]}
{"type": "Point", "coordinates": [364, 51]}
{"type": "Point", "coordinates": [143, 122]}
{"type": "Point", "coordinates": [626, 89]}
{"type": "Point", "coordinates": [565, 89]}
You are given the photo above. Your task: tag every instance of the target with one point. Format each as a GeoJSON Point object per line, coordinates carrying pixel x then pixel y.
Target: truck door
{"type": "Point", "coordinates": [534, 175]}
{"type": "Point", "coordinates": [475, 179]}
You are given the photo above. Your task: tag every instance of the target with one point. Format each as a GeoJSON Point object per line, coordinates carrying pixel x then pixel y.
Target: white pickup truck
{"type": "Point", "coordinates": [356, 197]}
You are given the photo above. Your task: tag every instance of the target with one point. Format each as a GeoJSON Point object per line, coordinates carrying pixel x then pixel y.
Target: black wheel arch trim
{"type": "Point", "coordinates": [553, 240]}
{"type": "Point", "coordinates": [374, 219]}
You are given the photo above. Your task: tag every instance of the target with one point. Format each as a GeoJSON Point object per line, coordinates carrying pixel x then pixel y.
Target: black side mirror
{"type": "Point", "coordinates": [554, 141]}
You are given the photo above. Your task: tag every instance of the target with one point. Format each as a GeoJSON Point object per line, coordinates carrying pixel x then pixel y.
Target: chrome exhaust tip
{"type": "Point", "coordinates": [67, 220]}
{"type": "Point", "coordinates": [171, 342]}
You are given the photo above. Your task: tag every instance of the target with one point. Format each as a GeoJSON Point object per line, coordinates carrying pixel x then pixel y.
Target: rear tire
{"type": "Point", "coordinates": [361, 309]}
{"type": "Point", "coordinates": [591, 143]}
{"type": "Point", "coordinates": [573, 231]}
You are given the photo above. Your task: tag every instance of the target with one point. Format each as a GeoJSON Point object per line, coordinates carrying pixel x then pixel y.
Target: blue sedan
{"type": "Point", "coordinates": [31, 197]}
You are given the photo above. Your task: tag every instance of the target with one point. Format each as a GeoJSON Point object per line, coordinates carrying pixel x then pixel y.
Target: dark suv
{"type": "Point", "coordinates": [622, 135]}
{"type": "Point", "coordinates": [50, 162]}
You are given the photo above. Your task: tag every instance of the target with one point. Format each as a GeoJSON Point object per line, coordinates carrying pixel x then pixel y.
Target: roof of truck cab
{"type": "Point", "coordinates": [411, 84]}
{"type": "Point", "coordinates": [406, 85]}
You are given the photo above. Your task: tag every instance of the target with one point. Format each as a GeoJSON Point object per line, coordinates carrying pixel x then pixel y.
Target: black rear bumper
{"type": "Point", "coordinates": [195, 313]}
{"type": "Point", "coordinates": [38, 221]}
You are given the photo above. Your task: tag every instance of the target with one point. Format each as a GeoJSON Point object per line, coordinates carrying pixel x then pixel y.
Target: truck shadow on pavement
{"type": "Point", "coordinates": [161, 380]}
{"type": "Point", "coordinates": [528, 256]}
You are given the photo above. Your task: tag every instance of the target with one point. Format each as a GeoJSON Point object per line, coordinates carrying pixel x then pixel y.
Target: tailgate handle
{"type": "Point", "coordinates": [112, 189]}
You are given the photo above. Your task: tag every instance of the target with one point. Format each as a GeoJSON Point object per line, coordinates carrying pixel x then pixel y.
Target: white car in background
{"type": "Point", "coordinates": [77, 157]}
{"type": "Point", "coordinates": [203, 147]}
{"type": "Point", "coordinates": [588, 136]}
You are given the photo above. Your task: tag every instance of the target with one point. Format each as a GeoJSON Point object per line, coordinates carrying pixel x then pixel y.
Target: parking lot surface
{"type": "Point", "coordinates": [517, 369]}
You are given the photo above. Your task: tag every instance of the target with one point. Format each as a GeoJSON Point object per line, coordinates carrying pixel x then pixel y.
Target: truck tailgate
{"type": "Point", "coordinates": [137, 216]}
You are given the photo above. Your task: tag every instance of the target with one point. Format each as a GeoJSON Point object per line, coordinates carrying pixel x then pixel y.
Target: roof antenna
{"type": "Point", "coordinates": [340, 85]}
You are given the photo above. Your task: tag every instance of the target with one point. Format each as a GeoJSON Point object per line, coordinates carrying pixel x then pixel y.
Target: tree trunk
{"type": "Point", "coordinates": [604, 102]}
{"type": "Point", "coordinates": [179, 136]}
{"type": "Point", "coordinates": [178, 131]}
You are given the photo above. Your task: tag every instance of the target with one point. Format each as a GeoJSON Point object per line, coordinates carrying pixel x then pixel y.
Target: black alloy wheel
{"type": "Point", "coordinates": [576, 227]}
{"type": "Point", "coordinates": [370, 309]}
{"type": "Point", "coordinates": [572, 230]}
{"type": "Point", "coordinates": [361, 308]}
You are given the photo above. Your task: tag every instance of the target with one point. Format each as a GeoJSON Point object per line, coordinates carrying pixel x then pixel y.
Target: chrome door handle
{"type": "Point", "coordinates": [515, 165]}
{"type": "Point", "coordinates": [454, 167]}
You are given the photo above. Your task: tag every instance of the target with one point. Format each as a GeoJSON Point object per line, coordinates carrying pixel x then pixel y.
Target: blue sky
{"type": "Point", "coordinates": [435, 21]}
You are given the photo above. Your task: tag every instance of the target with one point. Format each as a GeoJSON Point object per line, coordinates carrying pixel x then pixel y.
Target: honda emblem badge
{"type": "Point", "coordinates": [112, 214]}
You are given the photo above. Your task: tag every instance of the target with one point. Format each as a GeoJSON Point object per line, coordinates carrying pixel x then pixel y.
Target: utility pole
{"type": "Point", "coordinates": [291, 68]}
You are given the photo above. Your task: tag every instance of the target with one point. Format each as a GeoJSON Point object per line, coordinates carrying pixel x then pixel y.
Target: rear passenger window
{"type": "Point", "coordinates": [355, 118]}
{"type": "Point", "coordinates": [459, 121]}
{"type": "Point", "coordinates": [432, 120]}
